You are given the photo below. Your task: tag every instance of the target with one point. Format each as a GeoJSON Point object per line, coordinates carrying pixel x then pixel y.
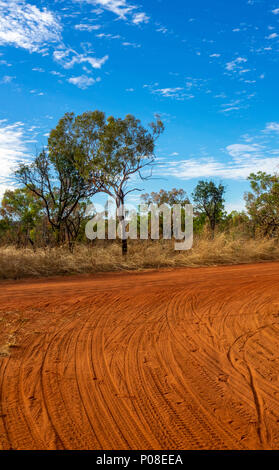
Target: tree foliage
{"type": "Point", "coordinates": [22, 213]}
{"type": "Point", "coordinates": [54, 178]}
{"type": "Point", "coordinates": [209, 199]}
{"type": "Point", "coordinates": [172, 197]}
{"type": "Point", "coordinates": [115, 150]}
{"type": "Point", "coordinates": [263, 203]}
{"type": "Point", "coordinates": [92, 153]}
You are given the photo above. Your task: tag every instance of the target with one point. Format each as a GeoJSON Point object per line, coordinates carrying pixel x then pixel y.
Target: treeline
{"type": "Point", "coordinates": [89, 154]}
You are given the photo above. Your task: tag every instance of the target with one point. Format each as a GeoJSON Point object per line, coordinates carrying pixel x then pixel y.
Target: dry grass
{"type": "Point", "coordinates": [21, 263]}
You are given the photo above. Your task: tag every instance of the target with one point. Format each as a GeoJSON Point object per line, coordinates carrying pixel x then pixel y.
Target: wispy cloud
{"type": "Point", "coordinates": [139, 18]}
{"type": "Point", "coordinates": [87, 27]}
{"type": "Point", "coordinates": [83, 81]}
{"type": "Point", "coordinates": [108, 36]}
{"type": "Point", "coordinates": [235, 65]}
{"type": "Point", "coordinates": [7, 79]}
{"type": "Point", "coordinates": [212, 168]}
{"type": "Point", "coordinates": [122, 9]}
{"type": "Point", "coordinates": [26, 26]}
{"type": "Point", "coordinates": [68, 58]}
{"type": "Point", "coordinates": [38, 69]}
{"type": "Point", "coordinates": [272, 127]}
{"type": "Point", "coordinates": [131, 44]}
{"type": "Point", "coordinates": [178, 93]}
{"type": "Point", "coordinates": [272, 36]}
{"type": "Point", "coordinates": [12, 150]}
{"type": "Point", "coordinates": [238, 162]}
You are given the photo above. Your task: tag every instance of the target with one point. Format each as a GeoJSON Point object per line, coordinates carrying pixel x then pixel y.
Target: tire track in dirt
{"type": "Point", "coordinates": [182, 359]}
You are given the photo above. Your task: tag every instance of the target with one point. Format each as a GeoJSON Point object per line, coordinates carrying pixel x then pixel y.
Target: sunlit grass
{"type": "Point", "coordinates": [106, 256]}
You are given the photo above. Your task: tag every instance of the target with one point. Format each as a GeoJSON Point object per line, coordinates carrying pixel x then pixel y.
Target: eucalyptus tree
{"type": "Point", "coordinates": [87, 154]}
{"type": "Point", "coordinates": [174, 196]}
{"type": "Point", "coordinates": [262, 203]}
{"type": "Point", "coordinates": [113, 151]}
{"type": "Point", "coordinates": [209, 199]}
{"type": "Point", "coordinates": [23, 213]}
{"type": "Point", "coordinates": [54, 178]}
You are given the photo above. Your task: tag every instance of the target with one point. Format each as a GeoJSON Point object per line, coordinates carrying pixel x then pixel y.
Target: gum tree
{"type": "Point", "coordinates": [209, 199]}
{"type": "Point", "coordinates": [174, 196]}
{"type": "Point", "coordinates": [54, 178]}
{"type": "Point", "coordinates": [113, 152]}
{"type": "Point", "coordinates": [263, 202]}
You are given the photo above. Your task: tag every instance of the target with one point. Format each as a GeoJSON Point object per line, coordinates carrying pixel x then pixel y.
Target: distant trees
{"type": "Point", "coordinates": [209, 199]}
{"type": "Point", "coordinates": [164, 198]}
{"type": "Point", "coordinates": [263, 203]}
{"type": "Point", "coordinates": [174, 196]}
{"type": "Point", "coordinates": [22, 213]}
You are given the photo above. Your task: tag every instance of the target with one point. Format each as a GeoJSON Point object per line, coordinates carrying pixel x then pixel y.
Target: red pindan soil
{"type": "Point", "coordinates": [182, 359]}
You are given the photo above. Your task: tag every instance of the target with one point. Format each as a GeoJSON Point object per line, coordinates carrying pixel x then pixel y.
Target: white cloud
{"type": "Point", "coordinates": [119, 7]}
{"type": "Point", "coordinates": [4, 62]}
{"type": "Point", "coordinates": [229, 109]}
{"type": "Point", "coordinates": [57, 74]}
{"type": "Point", "coordinates": [276, 11]}
{"type": "Point", "coordinates": [211, 168]}
{"type": "Point", "coordinates": [68, 58]}
{"type": "Point", "coordinates": [242, 150]}
{"type": "Point", "coordinates": [169, 92]}
{"type": "Point", "coordinates": [240, 160]}
{"type": "Point", "coordinates": [7, 79]}
{"type": "Point", "coordinates": [215, 55]}
{"type": "Point", "coordinates": [82, 81]}
{"type": "Point", "coordinates": [131, 44]}
{"type": "Point", "coordinates": [108, 36]}
{"type": "Point", "coordinates": [87, 27]}
{"type": "Point", "coordinates": [162, 29]}
{"type": "Point", "coordinates": [272, 127]}
{"type": "Point", "coordinates": [235, 64]}
{"type": "Point", "coordinates": [93, 61]}
{"type": "Point", "coordinates": [139, 18]}
{"type": "Point", "coordinates": [272, 36]}
{"type": "Point", "coordinates": [12, 150]}
{"type": "Point", "coordinates": [122, 9]}
{"type": "Point", "coordinates": [38, 69]}
{"type": "Point", "coordinates": [177, 93]}
{"type": "Point", "coordinates": [26, 26]}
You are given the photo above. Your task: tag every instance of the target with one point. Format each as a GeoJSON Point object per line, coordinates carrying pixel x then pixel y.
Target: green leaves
{"type": "Point", "coordinates": [209, 199]}
{"type": "Point", "coordinates": [175, 196]}
{"type": "Point", "coordinates": [263, 203]}
{"type": "Point", "coordinates": [87, 154]}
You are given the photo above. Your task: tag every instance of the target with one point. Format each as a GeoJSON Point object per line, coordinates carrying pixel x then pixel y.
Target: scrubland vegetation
{"type": "Point", "coordinates": [42, 222]}
{"type": "Point", "coordinates": [17, 263]}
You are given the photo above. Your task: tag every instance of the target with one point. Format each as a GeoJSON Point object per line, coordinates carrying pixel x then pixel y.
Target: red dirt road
{"type": "Point", "coordinates": [184, 359]}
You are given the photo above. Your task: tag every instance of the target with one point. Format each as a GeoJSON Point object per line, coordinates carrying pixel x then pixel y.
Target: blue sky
{"type": "Point", "coordinates": [210, 69]}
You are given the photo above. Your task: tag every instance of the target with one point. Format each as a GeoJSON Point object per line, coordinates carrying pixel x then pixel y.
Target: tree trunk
{"type": "Point", "coordinates": [121, 218]}
{"type": "Point", "coordinates": [124, 247]}
{"type": "Point", "coordinates": [212, 225]}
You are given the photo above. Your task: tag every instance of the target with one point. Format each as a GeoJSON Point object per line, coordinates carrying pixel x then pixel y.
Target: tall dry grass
{"type": "Point", "coordinates": [21, 263]}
